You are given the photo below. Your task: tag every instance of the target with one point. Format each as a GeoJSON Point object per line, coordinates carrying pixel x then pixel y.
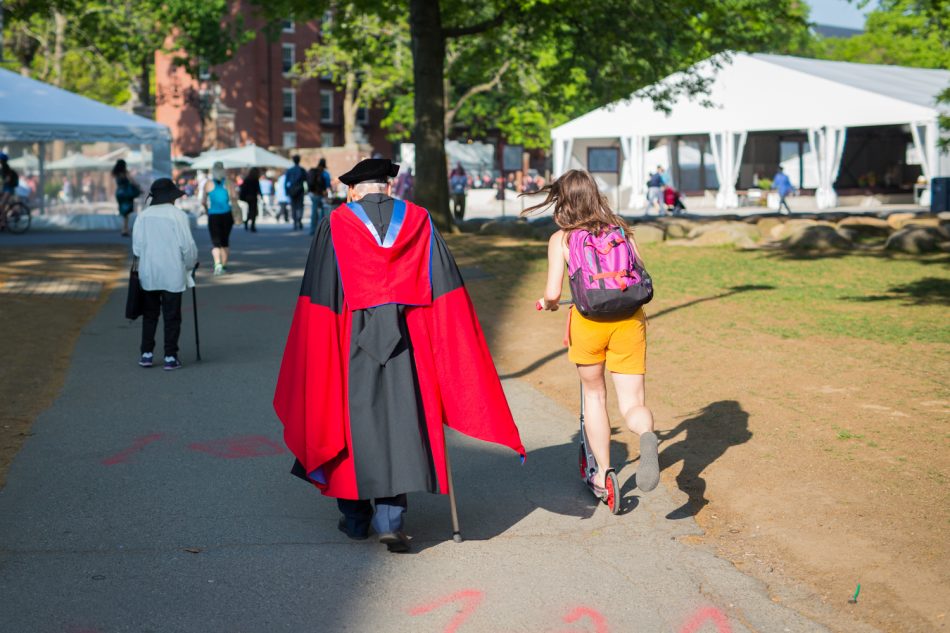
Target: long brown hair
{"type": "Point", "coordinates": [578, 204]}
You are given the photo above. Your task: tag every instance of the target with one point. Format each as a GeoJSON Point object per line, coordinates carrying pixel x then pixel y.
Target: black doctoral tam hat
{"type": "Point", "coordinates": [163, 191]}
{"type": "Point", "coordinates": [370, 170]}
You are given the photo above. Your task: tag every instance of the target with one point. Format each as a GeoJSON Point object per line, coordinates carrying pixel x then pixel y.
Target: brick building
{"type": "Point", "coordinates": [255, 99]}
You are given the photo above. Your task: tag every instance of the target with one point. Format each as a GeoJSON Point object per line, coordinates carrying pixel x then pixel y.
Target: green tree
{"type": "Point", "coordinates": [366, 57]}
{"type": "Point", "coordinates": [106, 49]}
{"type": "Point", "coordinates": [899, 32]}
{"type": "Point", "coordinates": [593, 53]}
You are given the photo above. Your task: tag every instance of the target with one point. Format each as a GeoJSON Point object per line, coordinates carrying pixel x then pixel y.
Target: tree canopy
{"type": "Point", "coordinates": [520, 66]}
{"type": "Point", "coordinates": [105, 49]}
{"type": "Point", "coordinates": [899, 32]}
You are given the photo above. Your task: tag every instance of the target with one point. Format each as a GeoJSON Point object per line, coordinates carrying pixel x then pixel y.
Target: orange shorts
{"type": "Point", "coordinates": [622, 344]}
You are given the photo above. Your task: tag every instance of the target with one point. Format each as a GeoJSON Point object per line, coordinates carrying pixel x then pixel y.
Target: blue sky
{"type": "Point", "coordinates": [839, 12]}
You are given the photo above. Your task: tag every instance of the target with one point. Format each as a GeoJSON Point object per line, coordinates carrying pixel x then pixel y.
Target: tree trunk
{"type": "Point", "coordinates": [59, 51]}
{"type": "Point", "coordinates": [428, 57]}
{"type": "Point", "coordinates": [145, 83]}
{"type": "Point", "coordinates": [349, 110]}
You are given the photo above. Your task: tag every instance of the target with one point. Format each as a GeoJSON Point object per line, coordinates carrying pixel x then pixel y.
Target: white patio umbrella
{"type": "Point", "coordinates": [241, 158]}
{"type": "Point", "coordinates": [25, 162]}
{"type": "Point", "coordinates": [79, 162]}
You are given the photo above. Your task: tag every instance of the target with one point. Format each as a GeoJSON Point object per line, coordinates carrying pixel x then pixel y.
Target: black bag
{"type": "Point", "coordinates": [134, 301]}
{"type": "Point", "coordinates": [295, 187]}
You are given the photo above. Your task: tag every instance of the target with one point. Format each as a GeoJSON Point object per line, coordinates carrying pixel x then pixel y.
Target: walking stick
{"type": "Point", "coordinates": [456, 532]}
{"type": "Point", "coordinates": [194, 305]}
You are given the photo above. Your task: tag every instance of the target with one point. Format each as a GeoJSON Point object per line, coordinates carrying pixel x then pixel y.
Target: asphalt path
{"type": "Point", "coordinates": [151, 501]}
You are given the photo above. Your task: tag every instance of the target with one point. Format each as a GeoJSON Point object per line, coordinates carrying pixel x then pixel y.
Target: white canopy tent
{"type": "Point", "coordinates": [34, 112]}
{"type": "Point", "coordinates": [756, 93]}
{"type": "Point", "coordinates": [79, 162]}
{"type": "Point", "coordinates": [241, 158]}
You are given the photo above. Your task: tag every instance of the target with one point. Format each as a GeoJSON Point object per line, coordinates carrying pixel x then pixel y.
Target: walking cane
{"type": "Point", "coordinates": [456, 532]}
{"type": "Point", "coordinates": [194, 305]}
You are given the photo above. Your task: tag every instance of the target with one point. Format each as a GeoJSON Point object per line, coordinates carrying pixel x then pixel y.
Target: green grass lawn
{"type": "Point", "coordinates": [889, 299]}
{"type": "Point", "coordinates": [863, 296]}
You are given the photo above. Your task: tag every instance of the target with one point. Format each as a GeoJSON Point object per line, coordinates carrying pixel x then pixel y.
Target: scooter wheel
{"type": "Point", "coordinates": [613, 492]}
{"type": "Point", "coordinates": [582, 461]}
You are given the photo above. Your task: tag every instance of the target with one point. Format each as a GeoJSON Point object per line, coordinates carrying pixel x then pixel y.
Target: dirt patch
{"type": "Point", "coordinates": [40, 330]}
{"type": "Point", "coordinates": [812, 460]}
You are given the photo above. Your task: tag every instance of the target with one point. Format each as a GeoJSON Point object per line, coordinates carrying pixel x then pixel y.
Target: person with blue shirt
{"type": "Point", "coordinates": [318, 182]}
{"type": "Point", "coordinates": [295, 185]}
{"type": "Point", "coordinates": [783, 186]}
{"type": "Point", "coordinates": [221, 205]}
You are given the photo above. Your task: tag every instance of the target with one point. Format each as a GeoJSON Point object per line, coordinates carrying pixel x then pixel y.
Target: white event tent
{"type": "Point", "coordinates": [753, 93]}
{"type": "Point", "coordinates": [34, 112]}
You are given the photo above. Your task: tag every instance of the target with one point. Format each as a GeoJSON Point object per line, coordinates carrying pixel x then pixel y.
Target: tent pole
{"type": "Point", "coordinates": [42, 182]}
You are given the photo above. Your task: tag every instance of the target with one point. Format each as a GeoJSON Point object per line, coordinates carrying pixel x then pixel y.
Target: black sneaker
{"type": "Point", "coordinates": [172, 363]}
{"type": "Point", "coordinates": [396, 542]}
{"type": "Point", "coordinates": [146, 360]}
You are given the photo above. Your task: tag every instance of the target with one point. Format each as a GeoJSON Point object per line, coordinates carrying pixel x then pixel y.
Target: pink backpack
{"type": "Point", "coordinates": [607, 279]}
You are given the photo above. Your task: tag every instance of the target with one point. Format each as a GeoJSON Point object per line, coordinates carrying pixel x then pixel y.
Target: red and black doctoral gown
{"type": "Point", "coordinates": [385, 348]}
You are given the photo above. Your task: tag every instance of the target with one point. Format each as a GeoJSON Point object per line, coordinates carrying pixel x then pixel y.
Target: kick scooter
{"type": "Point", "coordinates": [587, 463]}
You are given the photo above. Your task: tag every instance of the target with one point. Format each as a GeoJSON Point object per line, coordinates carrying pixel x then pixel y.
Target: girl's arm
{"type": "Point", "coordinates": [552, 291]}
{"type": "Point", "coordinates": [633, 244]}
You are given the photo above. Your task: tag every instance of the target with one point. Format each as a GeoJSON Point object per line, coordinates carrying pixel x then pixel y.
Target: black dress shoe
{"type": "Point", "coordinates": [356, 536]}
{"type": "Point", "coordinates": [396, 542]}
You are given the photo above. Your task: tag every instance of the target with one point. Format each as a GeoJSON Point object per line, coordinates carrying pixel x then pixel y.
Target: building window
{"type": "Point", "coordinates": [287, 26]}
{"type": "Point", "coordinates": [326, 106]}
{"type": "Point", "coordinates": [289, 58]}
{"type": "Point", "coordinates": [362, 116]}
{"type": "Point", "coordinates": [290, 140]}
{"type": "Point", "coordinates": [290, 105]}
{"type": "Point", "coordinates": [326, 139]}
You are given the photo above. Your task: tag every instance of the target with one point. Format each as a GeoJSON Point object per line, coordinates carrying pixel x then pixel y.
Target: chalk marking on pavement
{"type": "Point", "coordinates": [470, 598]}
{"type": "Point", "coordinates": [241, 447]}
{"type": "Point", "coordinates": [137, 446]}
{"type": "Point", "coordinates": [580, 613]}
{"type": "Point", "coordinates": [704, 615]}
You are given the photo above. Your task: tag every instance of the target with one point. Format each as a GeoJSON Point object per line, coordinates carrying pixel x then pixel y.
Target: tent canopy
{"type": "Point", "coordinates": [32, 111]}
{"type": "Point", "coordinates": [241, 158]}
{"type": "Point", "coordinates": [757, 92]}
{"type": "Point", "coordinates": [79, 162]}
{"type": "Point", "coordinates": [762, 93]}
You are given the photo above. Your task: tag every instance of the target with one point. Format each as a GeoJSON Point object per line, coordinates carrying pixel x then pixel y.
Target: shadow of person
{"type": "Point", "coordinates": [497, 495]}
{"type": "Point", "coordinates": [707, 435]}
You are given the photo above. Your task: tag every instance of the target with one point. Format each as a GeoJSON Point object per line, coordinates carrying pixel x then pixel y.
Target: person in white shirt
{"type": "Point", "coordinates": [283, 200]}
{"type": "Point", "coordinates": [166, 252]}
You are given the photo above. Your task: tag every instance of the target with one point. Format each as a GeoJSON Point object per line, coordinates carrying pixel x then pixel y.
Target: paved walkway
{"type": "Point", "coordinates": [153, 501]}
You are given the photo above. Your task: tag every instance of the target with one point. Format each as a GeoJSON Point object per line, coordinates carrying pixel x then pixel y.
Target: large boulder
{"type": "Point", "coordinates": [544, 228]}
{"type": "Point", "coordinates": [518, 228]}
{"type": "Point", "coordinates": [818, 237]}
{"type": "Point", "coordinates": [741, 228]}
{"type": "Point", "coordinates": [472, 226]}
{"type": "Point", "coordinates": [942, 230]}
{"type": "Point", "coordinates": [765, 224]}
{"type": "Point", "coordinates": [737, 234]}
{"type": "Point", "coordinates": [648, 233]}
{"type": "Point", "coordinates": [914, 240]}
{"type": "Point", "coordinates": [864, 227]}
{"type": "Point", "coordinates": [788, 228]}
{"type": "Point", "coordinates": [898, 220]}
{"type": "Point", "coordinates": [676, 229]}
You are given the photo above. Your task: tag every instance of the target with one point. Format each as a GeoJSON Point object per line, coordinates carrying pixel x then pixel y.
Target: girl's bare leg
{"type": "Point", "coordinates": [595, 417]}
{"type": "Point", "coordinates": [631, 394]}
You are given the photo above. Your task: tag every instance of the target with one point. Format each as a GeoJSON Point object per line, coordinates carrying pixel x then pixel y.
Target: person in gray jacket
{"type": "Point", "coordinates": [166, 252]}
